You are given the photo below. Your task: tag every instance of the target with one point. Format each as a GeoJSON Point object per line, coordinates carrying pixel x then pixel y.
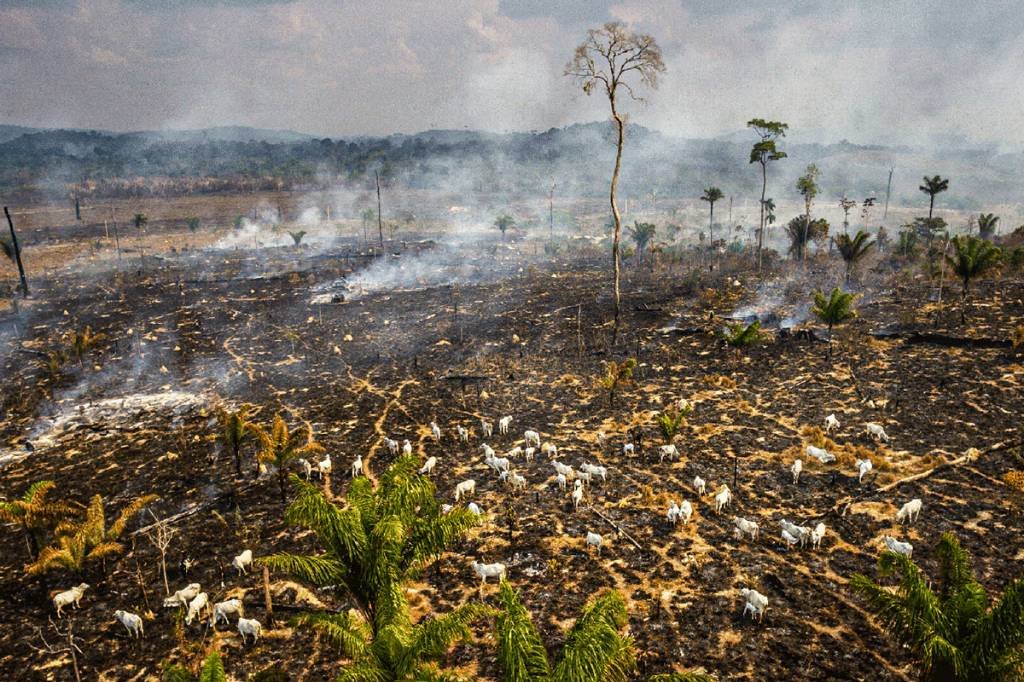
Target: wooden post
{"type": "Point", "coordinates": [267, 603]}
{"type": "Point", "coordinates": [17, 253]}
{"type": "Point", "coordinates": [380, 220]}
{"type": "Point", "coordinates": [117, 238]}
{"type": "Point", "coordinates": [551, 211]}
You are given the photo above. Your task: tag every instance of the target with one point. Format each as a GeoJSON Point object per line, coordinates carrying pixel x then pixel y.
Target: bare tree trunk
{"type": "Point", "coordinates": [760, 234]}
{"type": "Point", "coordinates": [620, 130]}
{"type": "Point", "coordinates": [380, 219]}
{"type": "Point", "coordinates": [267, 602]}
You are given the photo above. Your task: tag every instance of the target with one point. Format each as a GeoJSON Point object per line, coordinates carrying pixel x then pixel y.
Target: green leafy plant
{"type": "Point", "coordinates": [211, 671]}
{"type": "Point", "coordinates": [616, 375]}
{"type": "Point", "coordinates": [739, 335]}
{"type": "Point", "coordinates": [833, 310]}
{"type": "Point", "coordinates": [193, 223]}
{"type": "Point", "coordinates": [671, 421]}
{"type": "Point", "coordinates": [504, 222]}
{"type": "Point", "coordinates": [971, 258]}
{"type": "Point", "coordinates": [297, 236]}
{"type": "Point", "coordinates": [953, 629]}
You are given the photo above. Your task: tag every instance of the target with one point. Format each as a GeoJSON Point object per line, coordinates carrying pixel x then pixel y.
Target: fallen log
{"type": "Point", "coordinates": [938, 339]}
{"type": "Point", "coordinates": [617, 528]}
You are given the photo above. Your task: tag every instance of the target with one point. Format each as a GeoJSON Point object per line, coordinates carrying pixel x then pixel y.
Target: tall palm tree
{"type": "Point", "coordinates": [956, 632]}
{"type": "Point", "coordinates": [641, 234]}
{"type": "Point", "coordinates": [34, 512]}
{"type": "Point", "coordinates": [235, 427]}
{"type": "Point", "coordinates": [377, 541]}
{"type": "Point", "coordinates": [280, 446]}
{"type": "Point", "coordinates": [853, 250]}
{"type": "Point", "coordinates": [88, 540]}
{"type": "Point", "coordinates": [711, 195]}
{"type": "Point", "coordinates": [834, 310]}
{"type": "Point", "coordinates": [972, 257]}
{"type": "Point", "coordinates": [933, 186]}
{"type": "Point", "coordinates": [987, 225]}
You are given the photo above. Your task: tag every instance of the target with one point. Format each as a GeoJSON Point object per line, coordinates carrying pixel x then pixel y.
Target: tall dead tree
{"type": "Point", "coordinates": [380, 220]}
{"type": "Point", "coordinates": [608, 59]}
{"type": "Point", "coordinates": [160, 534]}
{"type": "Point", "coordinates": [17, 253]}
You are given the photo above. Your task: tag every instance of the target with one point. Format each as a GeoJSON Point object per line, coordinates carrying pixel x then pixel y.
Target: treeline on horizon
{"type": "Point", "coordinates": [55, 164]}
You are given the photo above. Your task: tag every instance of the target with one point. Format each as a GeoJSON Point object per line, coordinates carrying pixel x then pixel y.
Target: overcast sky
{"type": "Point", "coordinates": [888, 71]}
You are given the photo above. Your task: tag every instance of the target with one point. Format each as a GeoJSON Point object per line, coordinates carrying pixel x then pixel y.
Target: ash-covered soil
{"type": "Point", "coordinates": [136, 416]}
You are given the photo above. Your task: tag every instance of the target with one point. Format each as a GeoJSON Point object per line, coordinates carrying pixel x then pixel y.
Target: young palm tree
{"type": "Point", "coordinates": [503, 223]}
{"type": "Point", "coordinates": [802, 232]}
{"type": "Point", "coordinates": [212, 671]}
{"type": "Point", "coordinates": [711, 195]}
{"type": "Point", "coordinates": [88, 540]}
{"type": "Point", "coordinates": [987, 225]}
{"type": "Point", "coordinates": [835, 309]}
{"type": "Point", "coordinates": [972, 257]}
{"type": "Point", "coordinates": [235, 428]}
{"type": "Point", "coordinates": [641, 234]}
{"type": "Point", "coordinates": [192, 223]}
{"type": "Point", "coordinates": [670, 421]}
{"type": "Point", "coordinates": [33, 512]}
{"type": "Point", "coordinates": [853, 249]}
{"type": "Point", "coordinates": [739, 335]}
{"type": "Point", "coordinates": [381, 538]}
{"type": "Point", "coordinates": [279, 447]}
{"type": "Point", "coordinates": [616, 374]}
{"type": "Point", "coordinates": [140, 221]}
{"type": "Point", "coordinates": [907, 244]}
{"type": "Point", "coordinates": [933, 186]}
{"type": "Point", "coordinates": [955, 631]}
{"type": "Point", "coordinates": [297, 236]}
{"type": "Point", "coordinates": [84, 340]}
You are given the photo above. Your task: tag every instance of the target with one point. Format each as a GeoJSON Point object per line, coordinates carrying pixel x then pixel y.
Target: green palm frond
{"type": "Point", "coordinates": [213, 669]}
{"type": "Point", "coordinates": [431, 536]}
{"type": "Point", "coordinates": [433, 638]}
{"type": "Point", "coordinates": [367, 670]}
{"type": "Point", "coordinates": [341, 530]}
{"type": "Point", "coordinates": [835, 309]}
{"type": "Point", "coordinates": [594, 648]}
{"type": "Point", "coordinates": [322, 571]}
{"type": "Point", "coordinates": [908, 623]}
{"type": "Point", "coordinates": [521, 652]}
{"type": "Point", "coordinates": [1000, 635]}
{"type": "Point", "coordinates": [739, 335]}
{"type": "Point", "coordinates": [127, 514]}
{"type": "Point", "coordinates": [346, 630]}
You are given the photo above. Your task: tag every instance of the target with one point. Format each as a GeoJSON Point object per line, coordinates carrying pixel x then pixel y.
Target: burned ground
{"type": "Point", "coordinates": [177, 343]}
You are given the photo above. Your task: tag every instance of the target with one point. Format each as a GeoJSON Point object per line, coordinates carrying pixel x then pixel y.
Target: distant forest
{"type": "Point", "coordinates": [60, 163]}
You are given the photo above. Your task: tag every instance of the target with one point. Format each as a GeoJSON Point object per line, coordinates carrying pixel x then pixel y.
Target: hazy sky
{"type": "Point", "coordinates": [887, 71]}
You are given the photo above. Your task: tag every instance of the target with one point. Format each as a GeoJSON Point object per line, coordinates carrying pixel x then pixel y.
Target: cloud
{"type": "Point", "coordinates": [897, 71]}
